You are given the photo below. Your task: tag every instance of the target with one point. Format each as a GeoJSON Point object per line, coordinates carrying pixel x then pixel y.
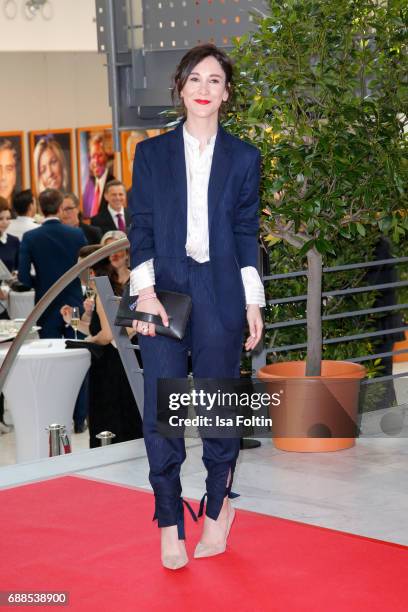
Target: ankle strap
{"type": "Point", "coordinates": [180, 521]}
{"type": "Point", "coordinates": [228, 493]}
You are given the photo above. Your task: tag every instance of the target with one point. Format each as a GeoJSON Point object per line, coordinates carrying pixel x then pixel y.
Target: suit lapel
{"type": "Point", "coordinates": [220, 167]}
{"type": "Point", "coordinates": [177, 163]}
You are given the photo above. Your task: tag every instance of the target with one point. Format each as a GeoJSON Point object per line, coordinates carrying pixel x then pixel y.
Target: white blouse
{"type": "Point", "coordinates": [198, 168]}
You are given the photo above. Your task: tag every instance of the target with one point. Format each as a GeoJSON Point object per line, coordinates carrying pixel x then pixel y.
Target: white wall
{"type": "Point", "coordinates": [53, 90]}
{"type": "Point", "coordinates": [72, 27]}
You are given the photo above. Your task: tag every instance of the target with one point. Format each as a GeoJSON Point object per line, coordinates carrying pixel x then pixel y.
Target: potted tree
{"type": "Point", "coordinates": [321, 90]}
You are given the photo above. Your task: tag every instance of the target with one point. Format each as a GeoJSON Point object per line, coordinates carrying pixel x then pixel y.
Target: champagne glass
{"type": "Point", "coordinates": [75, 320]}
{"type": "Point", "coordinates": [90, 292]}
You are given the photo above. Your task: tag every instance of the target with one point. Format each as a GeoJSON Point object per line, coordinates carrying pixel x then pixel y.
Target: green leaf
{"type": "Point", "coordinates": [361, 229]}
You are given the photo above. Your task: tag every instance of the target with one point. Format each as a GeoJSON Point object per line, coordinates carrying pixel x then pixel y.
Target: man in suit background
{"type": "Point", "coordinates": [114, 216]}
{"type": "Point", "coordinates": [100, 174]}
{"type": "Point", "coordinates": [52, 249]}
{"type": "Point", "coordinates": [24, 207]}
{"type": "Point", "coordinates": [70, 215]}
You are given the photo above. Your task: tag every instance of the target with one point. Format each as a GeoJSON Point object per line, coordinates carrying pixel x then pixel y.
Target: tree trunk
{"type": "Point", "coordinates": [314, 313]}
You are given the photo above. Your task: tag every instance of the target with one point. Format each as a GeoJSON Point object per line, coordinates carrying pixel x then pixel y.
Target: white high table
{"type": "Point", "coordinates": [41, 389]}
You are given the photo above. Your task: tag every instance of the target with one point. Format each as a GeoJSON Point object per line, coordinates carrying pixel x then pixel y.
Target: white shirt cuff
{"type": "Point", "coordinates": [142, 276]}
{"type": "Point", "coordinates": [254, 289]}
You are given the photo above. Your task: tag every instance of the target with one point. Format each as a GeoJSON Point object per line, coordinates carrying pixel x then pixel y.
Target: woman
{"type": "Point", "coordinates": [112, 406]}
{"type": "Point", "coordinates": [50, 165]}
{"type": "Point", "coordinates": [194, 230]}
{"type": "Point", "coordinates": [119, 260]}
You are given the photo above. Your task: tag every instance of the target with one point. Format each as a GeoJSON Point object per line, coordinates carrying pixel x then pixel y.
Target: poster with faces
{"type": "Point", "coordinates": [51, 160]}
{"type": "Point", "coordinates": [129, 142]}
{"type": "Point", "coordinates": [12, 177]}
{"type": "Point", "coordinates": [97, 165]}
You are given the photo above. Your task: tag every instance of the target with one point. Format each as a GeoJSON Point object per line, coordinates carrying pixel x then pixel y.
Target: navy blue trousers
{"type": "Point", "coordinates": [216, 353]}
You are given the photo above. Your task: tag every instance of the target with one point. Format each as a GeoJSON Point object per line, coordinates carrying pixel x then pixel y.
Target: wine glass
{"type": "Point", "coordinates": [75, 320]}
{"type": "Point", "coordinates": [90, 292]}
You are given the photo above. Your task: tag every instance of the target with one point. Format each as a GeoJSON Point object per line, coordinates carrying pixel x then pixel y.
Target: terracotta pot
{"type": "Point", "coordinates": [316, 413]}
{"type": "Point", "coordinates": [401, 346]}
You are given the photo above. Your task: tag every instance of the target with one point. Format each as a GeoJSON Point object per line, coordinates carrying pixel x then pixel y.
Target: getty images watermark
{"type": "Point", "coordinates": [215, 408]}
{"type": "Point", "coordinates": [214, 401]}
{"type": "Point", "coordinates": [211, 408]}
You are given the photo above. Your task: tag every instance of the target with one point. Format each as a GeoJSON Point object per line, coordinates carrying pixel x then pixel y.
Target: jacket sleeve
{"type": "Point", "coordinates": [24, 263]}
{"type": "Point", "coordinates": [16, 254]}
{"type": "Point", "coordinates": [246, 218]}
{"type": "Point", "coordinates": [141, 236]}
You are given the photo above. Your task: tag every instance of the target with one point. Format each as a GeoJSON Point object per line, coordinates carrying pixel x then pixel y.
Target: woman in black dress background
{"type": "Point", "coordinates": [112, 406]}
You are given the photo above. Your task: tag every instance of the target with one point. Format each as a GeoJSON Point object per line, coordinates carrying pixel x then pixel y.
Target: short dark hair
{"type": "Point", "coordinates": [114, 183]}
{"type": "Point", "coordinates": [71, 196]}
{"type": "Point", "coordinates": [187, 64]}
{"type": "Point", "coordinates": [50, 201]}
{"type": "Point", "coordinates": [22, 201]}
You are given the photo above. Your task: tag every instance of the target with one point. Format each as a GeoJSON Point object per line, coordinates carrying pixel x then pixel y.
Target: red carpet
{"type": "Point", "coordinates": [98, 542]}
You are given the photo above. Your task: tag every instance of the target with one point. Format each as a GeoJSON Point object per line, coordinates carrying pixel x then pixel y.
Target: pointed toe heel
{"type": "Point", "coordinates": [205, 550]}
{"type": "Point", "coordinates": [174, 562]}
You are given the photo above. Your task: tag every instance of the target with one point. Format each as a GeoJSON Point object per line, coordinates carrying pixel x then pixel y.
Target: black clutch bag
{"type": "Point", "coordinates": [177, 306]}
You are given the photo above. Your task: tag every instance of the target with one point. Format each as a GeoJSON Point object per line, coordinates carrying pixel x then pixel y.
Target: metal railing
{"type": "Point", "coordinates": [50, 295]}
{"type": "Point", "coordinates": [260, 358]}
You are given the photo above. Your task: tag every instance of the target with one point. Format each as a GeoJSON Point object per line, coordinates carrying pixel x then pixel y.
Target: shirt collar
{"type": "Point", "coordinates": [51, 219]}
{"type": "Point", "coordinates": [3, 238]}
{"type": "Point", "coordinates": [193, 141]}
{"type": "Point", "coordinates": [114, 212]}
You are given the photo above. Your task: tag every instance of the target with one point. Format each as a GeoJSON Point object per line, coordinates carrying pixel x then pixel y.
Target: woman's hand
{"type": "Point", "coordinates": [151, 306]}
{"type": "Point", "coordinates": [66, 313]}
{"type": "Point", "coordinates": [89, 305]}
{"type": "Point", "coordinates": [255, 324]}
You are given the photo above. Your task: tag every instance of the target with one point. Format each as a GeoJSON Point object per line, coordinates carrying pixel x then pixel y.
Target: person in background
{"type": "Point", "coordinates": [119, 260]}
{"type": "Point", "coordinates": [99, 176]}
{"type": "Point", "coordinates": [115, 216]}
{"type": "Point", "coordinates": [71, 215]}
{"type": "Point", "coordinates": [8, 170]}
{"type": "Point", "coordinates": [9, 245]}
{"type": "Point", "coordinates": [25, 209]}
{"type": "Point", "coordinates": [112, 406]}
{"type": "Point", "coordinates": [52, 249]}
{"type": "Point", "coordinates": [50, 165]}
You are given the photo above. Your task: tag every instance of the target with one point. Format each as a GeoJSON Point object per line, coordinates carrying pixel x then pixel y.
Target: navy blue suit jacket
{"type": "Point", "coordinates": [52, 249]}
{"type": "Point", "coordinates": [158, 205]}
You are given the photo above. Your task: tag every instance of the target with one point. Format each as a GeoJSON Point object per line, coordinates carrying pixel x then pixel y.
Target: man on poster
{"type": "Point", "coordinates": [99, 175]}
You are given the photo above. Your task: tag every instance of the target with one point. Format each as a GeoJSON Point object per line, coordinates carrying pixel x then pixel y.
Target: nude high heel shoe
{"type": "Point", "coordinates": [206, 550]}
{"type": "Point", "coordinates": [174, 562]}
{"type": "Point", "coordinates": [173, 551]}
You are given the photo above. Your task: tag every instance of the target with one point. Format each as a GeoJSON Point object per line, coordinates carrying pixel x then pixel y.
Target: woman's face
{"type": "Point", "coordinates": [49, 170]}
{"type": "Point", "coordinates": [5, 218]}
{"type": "Point", "coordinates": [119, 259]}
{"type": "Point", "coordinates": [205, 89]}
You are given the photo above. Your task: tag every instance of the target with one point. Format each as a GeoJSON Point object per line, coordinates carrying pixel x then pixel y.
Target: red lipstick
{"type": "Point", "coordinates": [202, 101]}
